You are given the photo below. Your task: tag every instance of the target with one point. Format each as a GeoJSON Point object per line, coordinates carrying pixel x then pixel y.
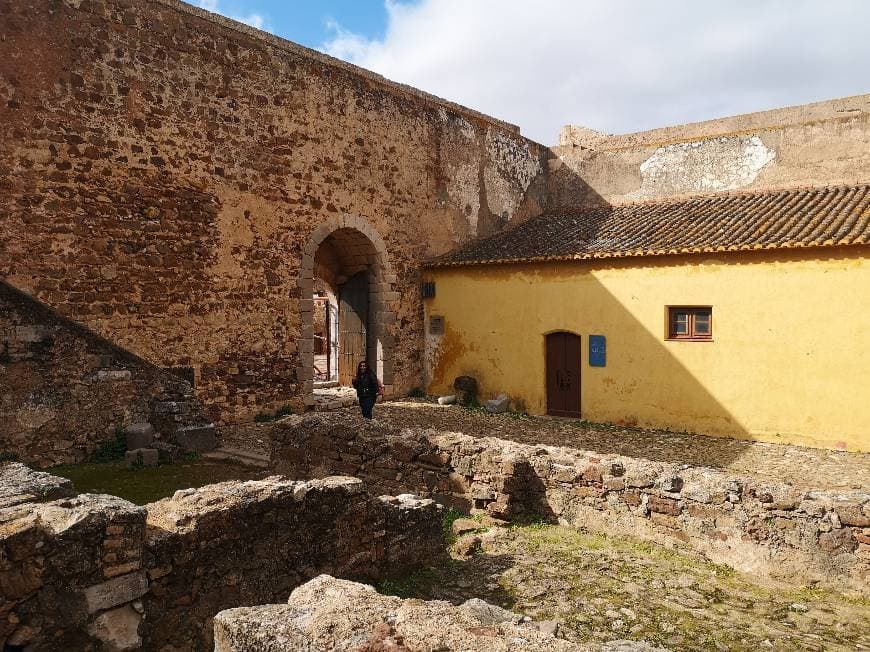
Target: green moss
{"type": "Point", "coordinates": [113, 449]}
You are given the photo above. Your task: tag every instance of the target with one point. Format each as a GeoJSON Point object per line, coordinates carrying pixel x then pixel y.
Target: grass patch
{"type": "Point", "coordinates": [147, 484]}
{"type": "Point", "coordinates": [409, 586]}
{"type": "Point", "coordinates": [447, 521]}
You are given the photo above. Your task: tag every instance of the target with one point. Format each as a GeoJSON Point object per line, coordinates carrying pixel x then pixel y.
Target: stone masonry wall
{"type": "Point", "coordinates": [97, 572]}
{"type": "Point", "coordinates": [64, 390]}
{"type": "Point", "coordinates": [162, 170]}
{"type": "Point", "coordinates": [768, 529]}
{"type": "Point", "coordinates": [820, 144]}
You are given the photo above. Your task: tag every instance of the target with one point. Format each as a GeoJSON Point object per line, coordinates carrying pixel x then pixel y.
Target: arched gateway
{"type": "Point", "coordinates": [346, 302]}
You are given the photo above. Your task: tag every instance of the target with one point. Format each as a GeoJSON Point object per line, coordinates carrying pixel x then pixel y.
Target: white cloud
{"type": "Point", "coordinates": [619, 65]}
{"type": "Point", "coordinates": [254, 20]}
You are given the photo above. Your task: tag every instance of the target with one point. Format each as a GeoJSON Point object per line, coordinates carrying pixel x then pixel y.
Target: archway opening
{"type": "Point", "coordinates": [346, 306]}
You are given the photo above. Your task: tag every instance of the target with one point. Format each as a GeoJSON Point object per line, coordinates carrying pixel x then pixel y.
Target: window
{"type": "Point", "coordinates": [690, 323]}
{"type": "Point", "coordinates": [428, 289]}
{"type": "Point", "coordinates": [436, 325]}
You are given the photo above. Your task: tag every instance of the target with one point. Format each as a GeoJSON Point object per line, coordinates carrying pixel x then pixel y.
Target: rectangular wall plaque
{"type": "Point", "coordinates": [597, 351]}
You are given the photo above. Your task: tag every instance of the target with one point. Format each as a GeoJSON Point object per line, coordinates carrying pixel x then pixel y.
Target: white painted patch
{"type": "Point", "coordinates": [463, 189]}
{"type": "Point", "coordinates": [726, 163]}
{"type": "Point", "coordinates": [511, 168]}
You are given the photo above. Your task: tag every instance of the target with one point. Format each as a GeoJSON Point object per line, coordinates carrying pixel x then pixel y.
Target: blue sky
{"type": "Point", "coordinates": [306, 21]}
{"type": "Point", "coordinates": [617, 66]}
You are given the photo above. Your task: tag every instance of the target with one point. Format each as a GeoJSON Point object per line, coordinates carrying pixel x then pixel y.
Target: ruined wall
{"type": "Point", "coordinates": [772, 530]}
{"type": "Point", "coordinates": [65, 390]}
{"type": "Point", "coordinates": [96, 571]}
{"type": "Point", "coordinates": [826, 143]}
{"type": "Point", "coordinates": [162, 169]}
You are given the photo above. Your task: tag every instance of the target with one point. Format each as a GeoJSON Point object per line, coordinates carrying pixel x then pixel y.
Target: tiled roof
{"type": "Point", "coordinates": [735, 221]}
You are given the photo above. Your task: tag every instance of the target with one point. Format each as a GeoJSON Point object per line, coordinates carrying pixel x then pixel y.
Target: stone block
{"type": "Point", "coordinates": [664, 505]}
{"type": "Point", "coordinates": [852, 515]}
{"type": "Point", "coordinates": [115, 592]}
{"type": "Point", "coordinates": [499, 404]}
{"type": "Point", "coordinates": [139, 435]}
{"type": "Point", "coordinates": [450, 399]}
{"type": "Point", "coordinates": [33, 333]}
{"type": "Point", "coordinates": [118, 628]}
{"type": "Point", "coordinates": [142, 457]}
{"type": "Point", "coordinates": [200, 439]}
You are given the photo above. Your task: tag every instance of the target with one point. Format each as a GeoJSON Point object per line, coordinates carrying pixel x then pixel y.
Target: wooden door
{"type": "Point", "coordinates": [353, 309]}
{"type": "Point", "coordinates": [563, 375]}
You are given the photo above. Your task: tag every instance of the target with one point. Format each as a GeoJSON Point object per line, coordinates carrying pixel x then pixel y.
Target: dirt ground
{"type": "Point", "coordinates": [803, 467]}
{"type": "Point", "coordinates": [601, 588]}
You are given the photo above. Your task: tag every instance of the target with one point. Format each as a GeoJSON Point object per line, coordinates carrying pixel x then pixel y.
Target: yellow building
{"type": "Point", "coordinates": [742, 314]}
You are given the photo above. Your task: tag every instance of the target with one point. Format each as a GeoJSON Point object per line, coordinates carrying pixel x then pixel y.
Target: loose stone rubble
{"type": "Point", "coordinates": [330, 614]}
{"type": "Point", "coordinates": [772, 530]}
{"type": "Point", "coordinates": [92, 570]}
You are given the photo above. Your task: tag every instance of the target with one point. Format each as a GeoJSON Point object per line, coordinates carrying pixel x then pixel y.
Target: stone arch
{"type": "Point", "coordinates": [358, 246]}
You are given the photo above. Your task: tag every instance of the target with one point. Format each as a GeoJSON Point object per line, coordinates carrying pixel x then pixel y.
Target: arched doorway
{"type": "Point", "coordinates": [563, 374]}
{"type": "Point", "coordinates": [346, 305]}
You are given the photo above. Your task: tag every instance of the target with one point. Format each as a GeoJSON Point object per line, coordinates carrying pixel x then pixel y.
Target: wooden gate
{"type": "Point", "coordinates": [563, 375]}
{"type": "Point", "coordinates": [353, 309]}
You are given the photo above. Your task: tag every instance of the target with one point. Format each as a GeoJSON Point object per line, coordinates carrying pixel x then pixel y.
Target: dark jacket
{"type": "Point", "coordinates": [367, 385]}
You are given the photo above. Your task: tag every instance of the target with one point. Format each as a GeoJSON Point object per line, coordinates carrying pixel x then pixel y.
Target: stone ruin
{"type": "Point", "coordinates": [95, 572]}
{"type": "Point", "coordinates": [316, 617]}
{"type": "Point", "coordinates": [211, 568]}
{"type": "Point", "coordinates": [771, 530]}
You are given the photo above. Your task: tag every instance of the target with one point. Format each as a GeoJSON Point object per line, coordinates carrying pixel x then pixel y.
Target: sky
{"type": "Point", "coordinates": [617, 66]}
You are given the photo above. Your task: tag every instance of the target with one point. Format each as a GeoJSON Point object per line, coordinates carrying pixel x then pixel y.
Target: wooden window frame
{"type": "Point", "coordinates": [691, 335]}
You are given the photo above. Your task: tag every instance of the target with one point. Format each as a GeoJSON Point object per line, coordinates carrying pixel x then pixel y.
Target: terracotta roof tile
{"type": "Point", "coordinates": [736, 221]}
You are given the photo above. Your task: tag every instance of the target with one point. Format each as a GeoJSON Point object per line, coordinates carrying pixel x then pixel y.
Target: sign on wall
{"type": "Point", "coordinates": [597, 351]}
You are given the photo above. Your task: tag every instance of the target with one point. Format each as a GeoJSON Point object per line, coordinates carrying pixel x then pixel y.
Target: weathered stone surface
{"type": "Point", "coordinates": [261, 538]}
{"type": "Point", "coordinates": [729, 518]}
{"type": "Point", "coordinates": [20, 484]}
{"type": "Point", "coordinates": [115, 591]}
{"type": "Point", "coordinates": [57, 406]}
{"type": "Point", "coordinates": [180, 257]}
{"type": "Point", "coordinates": [84, 572]}
{"type": "Point", "coordinates": [331, 614]}
{"type": "Point", "coordinates": [118, 628]}
{"type": "Point", "coordinates": [816, 144]}
{"type": "Point", "coordinates": [139, 435]}
{"type": "Point", "coordinates": [462, 525]}
{"type": "Point", "coordinates": [200, 439]}
{"type": "Point", "coordinates": [499, 404]}
{"type": "Point", "coordinates": [142, 457]}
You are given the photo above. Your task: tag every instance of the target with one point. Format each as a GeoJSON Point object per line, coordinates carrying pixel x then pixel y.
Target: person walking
{"type": "Point", "coordinates": [367, 388]}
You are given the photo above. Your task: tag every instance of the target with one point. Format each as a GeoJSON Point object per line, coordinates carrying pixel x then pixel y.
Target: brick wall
{"type": "Point", "coordinates": [162, 171]}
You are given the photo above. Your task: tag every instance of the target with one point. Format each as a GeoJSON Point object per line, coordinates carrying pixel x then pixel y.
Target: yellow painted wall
{"type": "Point", "coordinates": [789, 360]}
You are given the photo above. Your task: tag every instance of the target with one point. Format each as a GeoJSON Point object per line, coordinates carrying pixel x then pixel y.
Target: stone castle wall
{"type": "Point", "coordinates": [821, 144]}
{"type": "Point", "coordinates": [97, 572]}
{"type": "Point", "coordinates": [64, 390]}
{"type": "Point", "coordinates": [767, 529]}
{"type": "Point", "coordinates": [162, 170]}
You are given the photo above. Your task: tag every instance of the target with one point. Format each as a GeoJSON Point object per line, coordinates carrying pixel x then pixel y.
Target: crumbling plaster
{"type": "Point", "coordinates": [826, 143]}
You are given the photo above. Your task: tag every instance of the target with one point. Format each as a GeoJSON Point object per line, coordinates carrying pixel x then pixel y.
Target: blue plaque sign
{"type": "Point", "coordinates": [597, 351]}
